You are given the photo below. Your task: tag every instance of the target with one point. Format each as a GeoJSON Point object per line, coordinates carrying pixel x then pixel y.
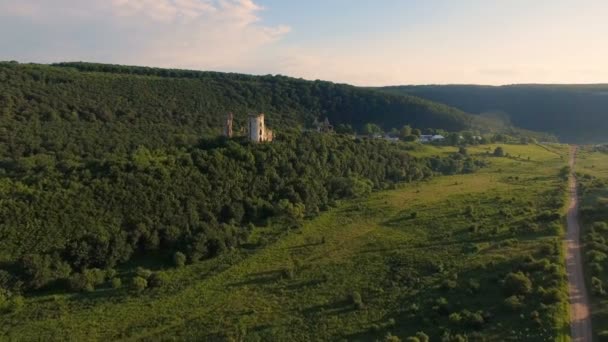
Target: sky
{"type": "Point", "coordinates": [361, 42]}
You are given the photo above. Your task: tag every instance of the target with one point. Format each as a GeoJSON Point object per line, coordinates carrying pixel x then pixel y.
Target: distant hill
{"type": "Point", "coordinates": [77, 106]}
{"type": "Point", "coordinates": [576, 113]}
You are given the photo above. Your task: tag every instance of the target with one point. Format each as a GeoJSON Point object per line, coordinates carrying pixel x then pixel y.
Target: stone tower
{"type": "Point", "coordinates": [228, 125]}
{"type": "Point", "coordinates": [257, 129]}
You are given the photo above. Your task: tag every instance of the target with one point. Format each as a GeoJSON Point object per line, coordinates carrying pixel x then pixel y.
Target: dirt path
{"type": "Point", "coordinates": [580, 318]}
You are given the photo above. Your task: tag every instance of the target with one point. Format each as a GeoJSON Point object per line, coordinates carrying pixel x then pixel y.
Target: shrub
{"type": "Point", "coordinates": [143, 273]}
{"type": "Point", "coordinates": [596, 256]}
{"type": "Point", "coordinates": [87, 280]}
{"type": "Point", "coordinates": [442, 306]}
{"type": "Point", "coordinates": [158, 279]}
{"type": "Point", "coordinates": [391, 338]}
{"type": "Point", "coordinates": [179, 259]}
{"type": "Point", "coordinates": [16, 303]}
{"type": "Point", "coordinates": [596, 268]}
{"type": "Point", "coordinates": [499, 152]}
{"type": "Point", "coordinates": [455, 318]}
{"type": "Point", "coordinates": [448, 284]}
{"type": "Point", "coordinates": [597, 286]}
{"type": "Point", "coordinates": [110, 273]}
{"type": "Point", "coordinates": [513, 303]}
{"type": "Point", "coordinates": [474, 286]}
{"type": "Point", "coordinates": [356, 300]}
{"type": "Point", "coordinates": [138, 284]}
{"type": "Point", "coordinates": [422, 337]}
{"type": "Point", "coordinates": [518, 284]}
{"type": "Point", "coordinates": [287, 272]}
{"type": "Point", "coordinates": [552, 296]}
{"type": "Point", "coordinates": [116, 283]}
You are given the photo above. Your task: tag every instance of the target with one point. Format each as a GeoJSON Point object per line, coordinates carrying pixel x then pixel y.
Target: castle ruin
{"type": "Point", "coordinates": [257, 130]}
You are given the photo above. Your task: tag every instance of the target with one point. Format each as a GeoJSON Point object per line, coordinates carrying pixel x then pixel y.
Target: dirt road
{"type": "Point", "coordinates": [580, 318]}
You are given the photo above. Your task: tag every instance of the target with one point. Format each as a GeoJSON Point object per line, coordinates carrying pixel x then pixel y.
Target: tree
{"type": "Point", "coordinates": [356, 299]}
{"type": "Point", "coordinates": [372, 129]}
{"type": "Point", "coordinates": [138, 284]}
{"type": "Point", "coordinates": [405, 131]}
{"type": "Point", "coordinates": [518, 284]}
{"type": "Point", "coordinates": [499, 152]}
{"type": "Point", "coordinates": [116, 283]}
{"type": "Point", "coordinates": [179, 259]}
{"type": "Point", "coordinates": [158, 279]}
{"type": "Point", "coordinates": [345, 129]}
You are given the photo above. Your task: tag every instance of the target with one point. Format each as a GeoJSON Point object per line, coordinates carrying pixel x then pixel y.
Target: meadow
{"type": "Point", "coordinates": [476, 256]}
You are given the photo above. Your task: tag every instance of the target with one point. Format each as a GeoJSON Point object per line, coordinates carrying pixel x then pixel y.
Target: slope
{"type": "Point", "coordinates": [79, 107]}
{"type": "Point", "coordinates": [576, 113]}
{"type": "Point", "coordinates": [405, 260]}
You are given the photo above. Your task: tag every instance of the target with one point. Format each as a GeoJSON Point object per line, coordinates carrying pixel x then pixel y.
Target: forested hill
{"type": "Point", "coordinates": [577, 113]}
{"type": "Point", "coordinates": [78, 107]}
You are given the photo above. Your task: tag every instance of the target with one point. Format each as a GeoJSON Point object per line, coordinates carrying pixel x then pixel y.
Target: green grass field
{"type": "Point", "coordinates": [428, 256]}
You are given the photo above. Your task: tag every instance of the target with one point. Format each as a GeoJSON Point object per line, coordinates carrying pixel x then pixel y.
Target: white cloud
{"type": "Point", "coordinates": [203, 34]}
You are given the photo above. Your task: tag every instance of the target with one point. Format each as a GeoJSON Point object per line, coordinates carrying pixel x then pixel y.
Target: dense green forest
{"type": "Point", "coordinates": [63, 213]}
{"type": "Point", "coordinates": [574, 113]}
{"type": "Point", "coordinates": [92, 109]}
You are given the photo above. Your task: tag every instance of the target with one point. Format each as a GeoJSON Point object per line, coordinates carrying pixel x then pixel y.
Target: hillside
{"type": "Point", "coordinates": [575, 113]}
{"type": "Point", "coordinates": [474, 256]}
{"type": "Point", "coordinates": [56, 108]}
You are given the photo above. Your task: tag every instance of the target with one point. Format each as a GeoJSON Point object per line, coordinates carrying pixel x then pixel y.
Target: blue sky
{"type": "Point", "coordinates": [362, 42]}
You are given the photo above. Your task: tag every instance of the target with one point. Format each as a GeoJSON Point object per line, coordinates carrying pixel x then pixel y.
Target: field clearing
{"type": "Point", "coordinates": [402, 250]}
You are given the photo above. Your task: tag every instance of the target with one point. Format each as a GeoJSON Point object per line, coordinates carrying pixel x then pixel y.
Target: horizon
{"type": "Point", "coordinates": [395, 43]}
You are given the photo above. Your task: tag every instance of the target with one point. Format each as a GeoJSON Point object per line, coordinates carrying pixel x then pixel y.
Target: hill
{"type": "Point", "coordinates": [576, 113]}
{"type": "Point", "coordinates": [57, 108]}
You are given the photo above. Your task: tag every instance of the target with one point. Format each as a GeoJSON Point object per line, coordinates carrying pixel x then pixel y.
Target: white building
{"type": "Point", "coordinates": [431, 138]}
{"type": "Point", "coordinates": [257, 129]}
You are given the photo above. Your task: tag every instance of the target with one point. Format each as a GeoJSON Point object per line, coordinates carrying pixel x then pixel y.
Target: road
{"type": "Point", "coordinates": [580, 318]}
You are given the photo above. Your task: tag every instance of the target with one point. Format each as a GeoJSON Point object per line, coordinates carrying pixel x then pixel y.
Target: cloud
{"type": "Point", "coordinates": [203, 34]}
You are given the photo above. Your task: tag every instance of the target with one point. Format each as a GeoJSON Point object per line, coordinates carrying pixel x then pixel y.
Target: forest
{"type": "Point", "coordinates": [92, 109]}
{"type": "Point", "coordinates": [63, 214]}
{"type": "Point", "coordinates": [574, 113]}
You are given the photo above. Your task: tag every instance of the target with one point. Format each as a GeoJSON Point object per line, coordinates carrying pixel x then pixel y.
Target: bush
{"type": "Point", "coordinates": [116, 283]}
{"type": "Point", "coordinates": [158, 279]}
{"type": "Point", "coordinates": [442, 306]}
{"type": "Point", "coordinates": [16, 303]}
{"type": "Point", "coordinates": [455, 318]}
{"type": "Point", "coordinates": [138, 284]}
{"type": "Point", "coordinates": [513, 303]}
{"type": "Point", "coordinates": [391, 338]}
{"type": "Point", "coordinates": [499, 152]}
{"type": "Point", "coordinates": [143, 273]}
{"type": "Point", "coordinates": [518, 284]}
{"type": "Point", "coordinates": [356, 300]}
{"type": "Point", "coordinates": [597, 286]}
{"type": "Point", "coordinates": [448, 284]}
{"type": "Point", "coordinates": [552, 296]}
{"type": "Point", "coordinates": [87, 280]}
{"type": "Point", "coordinates": [179, 259]}
{"type": "Point", "coordinates": [422, 337]}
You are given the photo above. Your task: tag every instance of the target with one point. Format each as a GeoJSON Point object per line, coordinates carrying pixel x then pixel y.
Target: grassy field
{"type": "Point", "coordinates": [430, 256]}
{"type": "Point", "coordinates": [592, 168]}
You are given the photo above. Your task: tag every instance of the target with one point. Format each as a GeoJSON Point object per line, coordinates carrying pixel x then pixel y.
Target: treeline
{"type": "Point", "coordinates": [93, 109]}
{"type": "Point", "coordinates": [574, 113]}
{"type": "Point", "coordinates": [63, 215]}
